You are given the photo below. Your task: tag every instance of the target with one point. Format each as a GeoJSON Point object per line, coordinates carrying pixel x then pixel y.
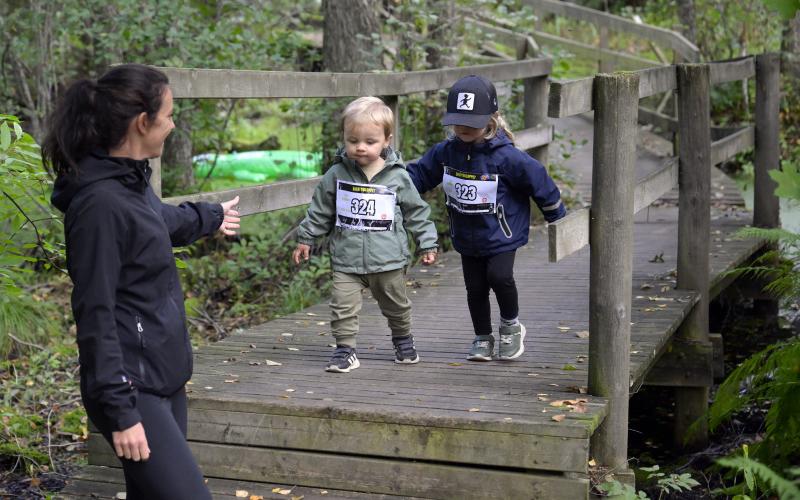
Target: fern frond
{"type": "Point", "coordinates": [772, 235]}
{"type": "Point", "coordinates": [785, 488]}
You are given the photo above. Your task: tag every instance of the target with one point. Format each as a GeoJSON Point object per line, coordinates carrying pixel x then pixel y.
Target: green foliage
{"type": "Point", "coordinates": [615, 489]}
{"type": "Point", "coordinates": [665, 484]}
{"type": "Point", "coordinates": [771, 376]}
{"type": "Point", "coordinates": [786, 8]}
{"type": "Point", "coordinates": [30, 235]}
{"type": "Point", "coordinates": [752, 471]}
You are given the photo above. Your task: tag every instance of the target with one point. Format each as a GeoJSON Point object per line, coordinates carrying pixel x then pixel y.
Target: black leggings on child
{"type": "Point", "coordinates": [171, 471]}
{"type": "Point", "coordinates": [484, 273]}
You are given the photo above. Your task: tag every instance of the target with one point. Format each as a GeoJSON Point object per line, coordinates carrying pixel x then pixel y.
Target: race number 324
{"type": "Point", "coordinates": [362, 207]}
{"type": "Point", "coordinates": [466, 191]}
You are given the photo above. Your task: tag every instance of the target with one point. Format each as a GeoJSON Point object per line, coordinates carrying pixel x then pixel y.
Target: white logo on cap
{"type": "Point", "coordinates": [466, 101]}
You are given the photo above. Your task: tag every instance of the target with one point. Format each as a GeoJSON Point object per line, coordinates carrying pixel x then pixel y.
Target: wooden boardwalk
{"type": "Point", "coordinates": [263, 410]}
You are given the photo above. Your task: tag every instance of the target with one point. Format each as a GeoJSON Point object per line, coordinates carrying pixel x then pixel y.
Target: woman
{"type": "Point", "coordinates": [135, 354]}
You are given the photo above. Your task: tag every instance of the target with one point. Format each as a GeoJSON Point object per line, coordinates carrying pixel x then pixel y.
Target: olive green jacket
{"type": "Point", "coordinates": [366, 252]}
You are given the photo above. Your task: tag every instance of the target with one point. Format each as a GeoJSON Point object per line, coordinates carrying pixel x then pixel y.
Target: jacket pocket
{"type": "Point", "coordinates": [501, 218]}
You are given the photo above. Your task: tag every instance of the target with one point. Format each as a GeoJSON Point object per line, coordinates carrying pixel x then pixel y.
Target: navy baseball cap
{"type": "Point", "coordinates": [471, 102]}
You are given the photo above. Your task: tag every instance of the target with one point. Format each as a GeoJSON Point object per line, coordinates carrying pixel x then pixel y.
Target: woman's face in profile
{"type": "Point", "coordinates": [159, 129]}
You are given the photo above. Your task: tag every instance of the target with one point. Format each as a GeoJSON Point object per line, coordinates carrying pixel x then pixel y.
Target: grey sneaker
{"type": "Point", "coordinates": [482, 348]}
{"type": "Point", "coordinates": [511, 345]}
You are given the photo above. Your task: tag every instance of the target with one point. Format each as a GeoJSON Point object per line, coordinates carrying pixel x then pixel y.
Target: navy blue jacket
{"type": "Point", "coordinates": [127, 299]}
{"type": "Point", "coordinates": [520, 178]}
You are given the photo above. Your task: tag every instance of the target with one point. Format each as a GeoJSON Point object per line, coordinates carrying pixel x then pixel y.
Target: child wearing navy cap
{"type": "Point", "coordinates": [487, 185]}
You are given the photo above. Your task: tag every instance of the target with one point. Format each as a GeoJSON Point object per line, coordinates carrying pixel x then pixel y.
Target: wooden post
{"type": "Point", "coordinates": [616, 105]}
{"type": "Point", "coordinates": [155, 176]}
{"type": "Point", "coordinates": [393, 102]}
{"type": "Point", "coordinates": [535, 111]}
{"type": "Point", "coordinates": [766, 212]}
{"type": "Point", "coordinates": [694, 227]}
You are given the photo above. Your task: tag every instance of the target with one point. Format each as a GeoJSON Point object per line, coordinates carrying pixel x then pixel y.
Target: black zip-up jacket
{"type": "Point", "coordinates": [127, 299]}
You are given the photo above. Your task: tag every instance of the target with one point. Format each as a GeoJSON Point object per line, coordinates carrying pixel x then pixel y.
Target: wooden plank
{"type": "Point", "coordinates": [246, 84]}
{"type": "Point", "coordinates": [620, 60]}
{"type": "Point", "coordinates": [666, 37]}
{"type": "Point", "coordinates": [611, 259]}
{"type": "Point", "coordinates": [683, 364]}
{"type": "Point", "coordinates": [531, 138]}
{"type": "Point", "coordinates": [569, 234]}
{"type": "Point", "coordinates": [656, 81]}
{"type": "Point", "coordinates": [732, 70]}
{"type": "Point", "coordinates": [570, 97]}
{"type": "Point", "coordinates": [693, 234]}
{"type": "Point", "coordinates": [367, 474]}
{"type": "Point", "coordinates": [766, 206]}
{"type": "Point", "coordinates": [660, 120]}
{"type": "Point", "coordinates": [96, 481]}
{"type": "Point", "coordinates": [655, 185]}
{"type": "Point", "coordinates": [535, 113]}
{"type": "Point", "coordinates": [728, 147]}
{"type": "Point", "coordinates": [262, 198]}
{"type": "Point", "coordinates": [389, 440]}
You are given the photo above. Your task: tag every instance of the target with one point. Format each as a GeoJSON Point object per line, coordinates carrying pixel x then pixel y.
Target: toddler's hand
{"type": "Point", "coordinates": [303, 251]}
{"type": "Point", "coordinates": [428, 258]}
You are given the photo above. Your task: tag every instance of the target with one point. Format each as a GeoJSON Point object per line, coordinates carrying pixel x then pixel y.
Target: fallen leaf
{"type": "Point", "coordinates": [542, 398]}
{"type": "Point", "coordinates": [569, 367]}
{"type": "Point", "coordinates": [208, 387]}
{"type": "Point", "coordinates": [321, 323]}
{"type": "Point", "coordinates": [293, 348]}
{"type": "Point", "coordinates": [564, 328]}
{"type": "Point", "coordinates": [269, 362]}
{"type": "Point", "coordinates": [507, 419]}
{"type": "Point", "coordinates": [558, 418]}
{"type": "Point", "coordinates": [287, 334]}
{"type": "Point", "coordinates": [298, 497]}
{"type": "Point", "coordinates": [583, 334]}
{"type": "Point", "coordinates": [592, 463]}
{"type": "Point", "coordinates": [252, 346]}
{"type": "Point", "coordinates": [190, 383]}
{"type": "Point", "coordinates": [256, 497]}
{"type": "Point", "coordinates": [231, 381]}
{"type": "Point", "coordinates": [284, 492]}
{"type": "Point", "coordinates": [560, 402]}
{"type": "Point", "coordinates": [474, 409]}
{"type": "Point", "coordinates": [323, 492]}
{"type": "Point", "coordinates": [311, 314]}
{"type": "Point", "coordinates": [121, 495]}
{"type": "Point", "coordinates": [579, 408]}
{"type": "Point", "coordinates": [455, 364]}
{"type": "Point", "coordinates": [533, 374]}
{"type": "Point", "coordinates": [309, 392]}
{"type": "Point", "coordinates": [242, 494]}
{"type": "Point", "coordinates": [289, 390]}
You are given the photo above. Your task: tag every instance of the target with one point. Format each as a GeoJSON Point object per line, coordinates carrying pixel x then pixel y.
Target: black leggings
{"type": "Point", "coordinates": [171, 472]}
{"type": "Point", "coordinates": [484, 273]}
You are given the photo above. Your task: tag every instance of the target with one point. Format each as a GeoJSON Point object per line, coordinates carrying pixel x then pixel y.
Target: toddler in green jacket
{"type": "Point", "coordinates": [366, 202]}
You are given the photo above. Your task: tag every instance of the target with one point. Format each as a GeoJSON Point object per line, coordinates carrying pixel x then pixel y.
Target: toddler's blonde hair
{"type": "Point", "coordinates": [369, 109]}
{"type": "Point", "coordinates": [497, 122]}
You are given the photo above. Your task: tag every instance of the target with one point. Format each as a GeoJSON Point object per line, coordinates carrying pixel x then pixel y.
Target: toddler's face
{"type": "Point", "coordinates": [468, 134]}
{"type": "Point", "coordinates": [364, 142]}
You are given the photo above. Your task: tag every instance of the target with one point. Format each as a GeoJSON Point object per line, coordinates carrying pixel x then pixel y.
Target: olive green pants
{"type": "Point", "coordinates": [388, 288]}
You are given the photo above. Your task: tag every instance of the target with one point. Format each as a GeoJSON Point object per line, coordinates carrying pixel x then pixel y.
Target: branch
{"type": "Point", "coordinates": [39, 239]}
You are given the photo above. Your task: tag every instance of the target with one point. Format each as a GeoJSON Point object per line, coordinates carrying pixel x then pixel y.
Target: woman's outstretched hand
{"type": "Point", "coordinates": [230, 221]}
{"type": "Point", "coordinates": [131, 443]}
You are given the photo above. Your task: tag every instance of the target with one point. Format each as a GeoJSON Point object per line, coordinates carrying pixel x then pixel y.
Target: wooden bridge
{"type": "Point", "coordinates": [603, 315]}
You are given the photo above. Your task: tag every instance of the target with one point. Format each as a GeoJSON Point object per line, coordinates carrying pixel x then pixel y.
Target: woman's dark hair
{"type": "Point", "coordinates": [96, 114]}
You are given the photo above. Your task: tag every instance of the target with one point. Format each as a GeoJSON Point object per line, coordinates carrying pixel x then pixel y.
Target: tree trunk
{"type": "Point", "coordinates": [351, 43]}
{"type": "Point", "coordinates": [352, 36]}
{"type": "Point", "coordinates": [686, 14]}
{"type": "Point", "coordinates": [176, 160]}
{"type": "Point", "coordinates": [440, 53]}
{"type": "Point", "coordinates": [790, 44]}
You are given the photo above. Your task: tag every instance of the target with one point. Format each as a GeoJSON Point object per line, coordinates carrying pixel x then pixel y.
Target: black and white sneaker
{"type": "Point", "coordinates": [343, 360]}
{"type": "Point", "coordinates": [404, 350]}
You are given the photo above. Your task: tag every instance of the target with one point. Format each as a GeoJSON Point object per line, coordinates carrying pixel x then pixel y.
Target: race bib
{"type": "Point", "coordinates": [364, 207]}
{"type": "Point", "coordinates": [470, 193]}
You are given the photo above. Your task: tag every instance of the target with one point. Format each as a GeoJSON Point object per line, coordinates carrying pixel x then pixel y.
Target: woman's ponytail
{"type": "Point", "coordinates": [73, 130]}
{"type": "Point", "coordinates": [96, 114]}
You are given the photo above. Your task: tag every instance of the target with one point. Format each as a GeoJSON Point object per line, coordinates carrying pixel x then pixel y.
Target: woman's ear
{"type": "Point", "coordinates": [141, 123]}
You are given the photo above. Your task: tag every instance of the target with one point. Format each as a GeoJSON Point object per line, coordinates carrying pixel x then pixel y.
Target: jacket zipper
{"type": "Point", "coordinates": [140, 332]}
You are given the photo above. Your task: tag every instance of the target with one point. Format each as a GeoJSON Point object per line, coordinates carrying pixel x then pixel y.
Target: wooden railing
{"type": "Point", "coordinates": [607, 225]}
{"type": "Point", "coordinates": [239, 84]}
